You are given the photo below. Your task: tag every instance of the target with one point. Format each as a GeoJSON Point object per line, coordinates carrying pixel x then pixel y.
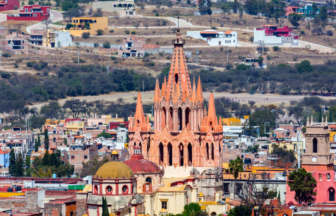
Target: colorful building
{"type": "Point", "coordinates": [291, 9]}
{"type": "Point", "coordinates": [6, 5]}
{"type": "Point", "coordinates": [271, 35]}
{"type": "Point", "coordinates": [307, 10]}
{"type": "Point", "coordinates": [31, 13]}
{"type": "Point", "coordinates": [4, 159]}
{"type": "Point", "coordinates": [319, 161]}
{"type": "Point", "coordinates": [186, 135]}
{"type": "Point", "coordinates": [87, 24]}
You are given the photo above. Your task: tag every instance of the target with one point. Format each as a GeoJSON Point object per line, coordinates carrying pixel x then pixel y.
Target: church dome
{"type": "Point", "coordinates": [140, 165]}
{"type": "Point", "coordinates": [114, 169]}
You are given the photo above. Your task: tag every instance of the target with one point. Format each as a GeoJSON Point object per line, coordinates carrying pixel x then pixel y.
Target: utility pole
{"type": "Point", "coordinates": [78, 54]}
{"type": "Point", "coordinates": [107, 68]}
{"type": "Point", "coordinates": [227, 54]}
{"type": "Point", "coordinates": [197, 56]}
{"type": "Point", "coordinates": [299, 149]}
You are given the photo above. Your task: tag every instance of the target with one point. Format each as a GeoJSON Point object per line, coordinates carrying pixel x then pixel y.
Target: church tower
{"type": "Point", "coordinates": [317, 155]}
{"type": "Point", "coordinates": [184, 133]}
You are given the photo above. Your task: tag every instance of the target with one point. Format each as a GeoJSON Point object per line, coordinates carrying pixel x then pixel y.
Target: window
{"type": "Point", "coordinates": [26, 10]}
{"type": "Point", "coordinates": [72, 157]}
{"type": "Point", "coordinates": [328, 176]}
{"type": "Point", "coordinates": [35, 15]}
{"type": "Point", "coordinates": [96, 189]}
{"type": "Point", "coordinates": [108, 189]}
{"type": "Point", "coordinates": [226, 187]}
{"type": "Point", "coordinates": [148, 179]}
{"type": "Point", "coordinates": [331, 194]}
{"type": "Point", "coordinates": [320, 177]}
{"type": "Point", "coordinates": [163, 204]}
{"type": "Point", "coordinates": [125, 189]}
{"type": "Point", "coordinates": [85, 157]}
{"type": "Point", "coordinates": [71, 214]}
{"type": "Point", "coordinates": [47, 10]}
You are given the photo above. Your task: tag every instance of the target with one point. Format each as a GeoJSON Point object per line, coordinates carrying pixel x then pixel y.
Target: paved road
{"type": "Point", "coordinates": [55, 17]}
{"type": "Point", "coordinates": [147, 97]}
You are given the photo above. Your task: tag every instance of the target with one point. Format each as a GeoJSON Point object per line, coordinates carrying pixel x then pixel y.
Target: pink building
{"type": "Point", "coordinates": [9, 5]}
{"type": "Point", "coordinates": [37, 35]}
{"type": "Point", "coordinates": [31, 13]}
{"type": "Point", "coordinates": [319, 161]}
{"type": "Point", "coordinates": [15, 43]}
{"type": "Point", "coordinates": [286, 131]}
{"type": "Point", "coordinates": [291, 9]}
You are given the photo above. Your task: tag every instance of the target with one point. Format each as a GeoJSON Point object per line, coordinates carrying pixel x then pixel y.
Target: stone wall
{"type": "Point", "coordinates": [53, 209]}
{"type": "Point", "coordinates": [81, 204]}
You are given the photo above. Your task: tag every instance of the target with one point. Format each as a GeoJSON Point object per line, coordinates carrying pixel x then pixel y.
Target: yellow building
{"type": "Point", "coordinates": [233, 121]}
{"type": "Point", "coordinates": [87, 24]}
{"type": "Point", "coordinates": [75, 125]}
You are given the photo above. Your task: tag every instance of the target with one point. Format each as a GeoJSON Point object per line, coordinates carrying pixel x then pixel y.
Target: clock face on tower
{"type": "Point", "coordinates": [314, 159]}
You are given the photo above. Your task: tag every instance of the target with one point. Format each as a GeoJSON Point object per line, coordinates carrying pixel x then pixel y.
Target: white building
{"type": "Point", "coordinates": [216, 38]}
{"type": "Point", "coordinates": [271, 35]}
{"type": "Point", "coordinates": [63, 39]}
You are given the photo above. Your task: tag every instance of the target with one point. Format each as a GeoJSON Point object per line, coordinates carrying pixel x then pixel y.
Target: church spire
{"type": "Point", "coordinates": [211, 109]}
{"type": "Point", "coordinates": [139, 109]}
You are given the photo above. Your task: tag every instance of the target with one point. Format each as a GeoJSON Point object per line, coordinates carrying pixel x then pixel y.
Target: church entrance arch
{"type": "Point", "coordinates": [181, 149]}
{"type": "Point", "coordinates": [315, 145]}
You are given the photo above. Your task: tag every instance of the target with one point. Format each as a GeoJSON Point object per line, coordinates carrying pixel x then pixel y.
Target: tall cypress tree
{"type": "Point", "coordinates": [46, 140]}
{"type": "Point", "coordinates": [279, 198]}
{"type": "Point", "coordinates": [12, 163]}
{"type": "Point", "coordinates": [105, 208]}
{"type": "Point", "coordinates": [36, 146]}
{"type": "Point", "coordinates": [38, 140]}
{"type": "Point", "coordinates": [19, 165]}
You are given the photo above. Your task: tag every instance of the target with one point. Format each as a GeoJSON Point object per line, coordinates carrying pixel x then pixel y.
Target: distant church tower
{"type": "Point", "coordinates": [317, 155]}
{"type": "Point", "coordinates": [185, 134]}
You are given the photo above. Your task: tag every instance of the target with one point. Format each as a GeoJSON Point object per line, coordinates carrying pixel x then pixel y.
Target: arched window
{"type": "Point", "coordinates": [125, 189]}
{"type": "Point", "coordinates": [108, 190]}
{"type": "Point", "coordinates": [207, 151]}
{"type": "Point", "coordinates": [331, 194]}
{"type": "Point", "coordinates": [161, 154]}
{"type": "Point", "coordinates": [170, 154]}
{"type": "Point", "coordinates": [314, 145]}
{"type": "Point", "coordinates": [212, 152]}
{"type": "Point", "coordinates": [170, 124]}
{"type": "Point", "coordinates": [180, 118]}
{"type": "Point", "coordinates": [190, 159]}
{"type": "Point", "coordinates": [96, 189]}
{"type": "Point", "coordinates": [181, 149]}
{"type": "Point", "coordinates": [328, 176]}
{"type": "Point", "coordinates": [163, 118]}
{"type": "Point", "coordinates": [176, 78]}
{"type": "Point", "coordinates": [187, 118]}
{"type": "Point", "coordinates": [213, 214]}
{"type": "Point", "coordinates": [149, 179]}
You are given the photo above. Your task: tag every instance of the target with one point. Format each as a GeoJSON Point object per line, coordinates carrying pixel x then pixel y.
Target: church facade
{"type": "Point", "coordinates": [186, 134]}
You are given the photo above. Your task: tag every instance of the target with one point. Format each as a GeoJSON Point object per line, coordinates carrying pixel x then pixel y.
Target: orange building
{"type": "Point", "coordinates": [185, 134]}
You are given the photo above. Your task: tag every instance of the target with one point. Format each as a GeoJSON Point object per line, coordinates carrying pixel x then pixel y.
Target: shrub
{"type": "Point", "coordinates": [228, 66]}
{"type": "Point", "coordinates": [276, 48]}
{"type": "Point", "coordinates": [223, 87]}
{"type": "Point", "coordinates": [16, 65]}
{"type": "Point", "coordinates": [242, 67]}
{"type": "Point", "coordinates": [127, 31]}
{"type": "Point", "coordinates": [269, 57]}
{"type": "Point", "coordinates": [115, 62]}
{"type": "Point", "coordinates": [133, 32]}
{"type": "Point", "coordinates": [68, 26]}
{"type": "Point", "coordinates": [22, 3]}
{"type": "Point", "coordinates": [164, 22]}
{"type": "Point", "coordinates": [113, 58]}
{"type": "Point", "coordinates": [330, 33]}
{"type": "Point", "coordinates": [85, 35]}
{"type": "Point", "coordinates": [302, 32]}
{"type": "Point", "coordinates": [111, 31]}
{"type": "Point", "coordinates": [157, 14]}
{"type": "Point", "coordinates": [15, 7]}
{"type": "Point", "coordinates": [29, 64]}
{"type": "Point", "coordinates": [295, 58]}
{"type": "Point", "coordinates": [106, 45]}
{"type": "Point", "coordinates": [150, 64]}
{"type": "Point", "coordinates": [251, 38]}
{"type": "Point", "coordinates": [100, 32]}
{"type": "Point", "coordinates": [5, 75]}
{"type": "Point", "coordinates": [6, 54]}
{"type": "Point", "coordinates": [96, 45]}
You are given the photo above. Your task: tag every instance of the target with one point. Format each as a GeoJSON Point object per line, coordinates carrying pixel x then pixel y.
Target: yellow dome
{"type": "Point", "coordinates": [114, 152]}
{"type": "Point", "coordinates": [114, 169]}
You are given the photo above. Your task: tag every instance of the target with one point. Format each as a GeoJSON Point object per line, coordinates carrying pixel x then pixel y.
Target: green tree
{"type": "Point", "coordinates": [46, 140]}
{"type": "Point", "coordinates": [303, 183]}
{"type": "Point", "coordinates": [304, 66]}
{"type": "Point", "coordinates": [191, 209]}
{"type": "Point", "coordinates": [204, 6]}
{"type": "Point", "coordinates": [46, 159]}
{"type": "Point", "coordinates": [105, 208]}
{"type": "Point", "coordinates": [236, 166]}
{"type": "Point", "coordinates": [105, 135]}
{"type": "Point", "coordinates": [12, 163]}
{"type": "Point", "coordinates": [279, 198]}
{"type": "Point", "coordinates": [294, 19]}
{"type": "Point", "coordinates": [235, 6]}
{"type": "Point", "coordinates": [38, 140]}
{"type": "Point", "coordinates": [100, 32]}
{"type": "Point", "coordinates": [241, 210]}
{"type": "Point", "coordinates": [65, 141]}
{"type": "Point", "coordinates": [36, 146]}
{"type": "Point", "coordinates": [28, 161]}
{"type": "Point", "coordinates": [323, 15]}
{"type": "Point", "coordinates": [314, 9]}
{"type": "Point", "coordinates": [19, 165]}
{"type": "Point", "coordinates": [241, 11]}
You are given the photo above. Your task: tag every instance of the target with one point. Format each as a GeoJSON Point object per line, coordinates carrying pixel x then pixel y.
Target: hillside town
{"type": "Point", "coordinates": [165, 107]}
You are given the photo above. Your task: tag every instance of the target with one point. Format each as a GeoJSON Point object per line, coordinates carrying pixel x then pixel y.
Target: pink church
{"type": "Point", "coordinates": [319, 161]}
